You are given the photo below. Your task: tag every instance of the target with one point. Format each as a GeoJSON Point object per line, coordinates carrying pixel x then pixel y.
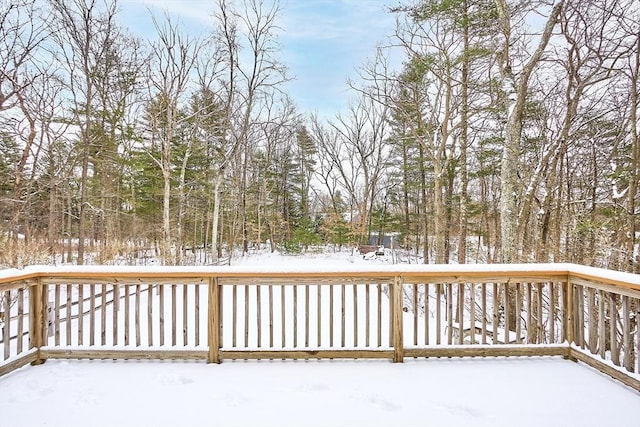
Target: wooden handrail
{"type": "Point", "coordinates": [494, 295]}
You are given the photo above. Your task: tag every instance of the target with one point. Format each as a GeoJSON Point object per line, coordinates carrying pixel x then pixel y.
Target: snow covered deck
{"type": "Point", "coordinates": [185, 317]}
{"type": "Point", "coordinates": [493, 392]}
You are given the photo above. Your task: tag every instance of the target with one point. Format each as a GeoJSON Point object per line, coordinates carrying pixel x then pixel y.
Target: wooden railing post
{"type": "Point", "coordinates": [570, 324]}
{"type": "Point", "coordinates": [37, 319]}
{"type": "Point", "coordinates": [398, 345]}
{"type": "Point", "coordinates": [213, 317]}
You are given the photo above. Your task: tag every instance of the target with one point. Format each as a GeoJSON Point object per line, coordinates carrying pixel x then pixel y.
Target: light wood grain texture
{"type": "Point", "coordinates": [627, 338]}
{"type": "Point", "coordinates": [6, 329]}
{"type": "Point", "coordinates": [36, 321]}
{"type": "Point", "coordinates": [196, 314]}
{"type": "Point", "coordinates": [21, 319]}
{"type": "Point", "coordinates": [613, 329]}
{"type": "Point", "coordinates": [307, 354]}
{"type": "Point", "coordinates": [397, 302]}
{"type": "Point", "coordinates": [586, 298]}
{"type": "Point", "coordinates": [92, 314]}
{"type": "Point", "coordinates": [137, 315]}
{"type": "Point", "coordinates": [506, 350]}
{"type": "Point", "coordinates": [80, 314]}
{"type": "Point", "coordinates": [103, 314]}
{"type": "Point", "coordinates": [603, 367]}
{"type": "Point", "coordinates": [214, 322]}
{"type": "Point", "coordinates": [185, 314]}
{"type": "Point", "coordinates": [552, 312]}
{"type": "Point", "coordinates": [126, 354]}
{"type": "Point", "coordinates": [19, 362]}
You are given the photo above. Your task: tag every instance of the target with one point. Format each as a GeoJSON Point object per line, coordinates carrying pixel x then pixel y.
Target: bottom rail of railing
{"type": "Point", "coordinates": [307, 354]}
{"type": "Point", "coordinates": [571, 352]}
{"type": "Point", "coordinates": [122, 354]}
{"type": "Point", "coordinates": [605, 367]}
{"type": "Point", "coordinates": [30, 356]}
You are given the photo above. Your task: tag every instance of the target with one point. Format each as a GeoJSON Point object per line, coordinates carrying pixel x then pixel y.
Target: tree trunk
{"type": "Point", "coordinates": [215, 217]}
{"type": "Point", "coordinates": [516, 96]}
{"type": "Point", "coordinates": [464, 125]}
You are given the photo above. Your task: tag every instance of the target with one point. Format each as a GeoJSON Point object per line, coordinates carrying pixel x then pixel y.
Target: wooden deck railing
{"type": "Point", "coordinates": [394, 312]}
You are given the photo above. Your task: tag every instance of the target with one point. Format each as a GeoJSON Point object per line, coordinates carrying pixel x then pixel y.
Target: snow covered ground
{"type": "Point", "coordinates": [435, 392]}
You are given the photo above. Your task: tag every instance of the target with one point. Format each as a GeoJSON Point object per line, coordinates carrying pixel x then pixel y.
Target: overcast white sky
{"type": "Point", "coordinates": [323, 41]}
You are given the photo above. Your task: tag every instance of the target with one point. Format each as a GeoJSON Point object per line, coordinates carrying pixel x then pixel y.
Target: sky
{"type": "Point", "coordinates": [323, 41]}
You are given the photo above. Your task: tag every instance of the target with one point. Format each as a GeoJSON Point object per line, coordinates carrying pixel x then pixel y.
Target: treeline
{"type": "Point", "coordinates": [509, 133]}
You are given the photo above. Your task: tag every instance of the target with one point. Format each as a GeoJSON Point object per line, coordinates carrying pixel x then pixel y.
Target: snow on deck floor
{"type": "Point", "coordinates": [438, 392]}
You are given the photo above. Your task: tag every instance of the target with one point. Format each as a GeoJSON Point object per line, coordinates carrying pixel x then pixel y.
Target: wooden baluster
{"type": "Point", "coordinates": [552, 312]}
{"type": "Point", "coordinates": [150, 314]}
{"type": "Point", "coordinates": [342, 315]}
{"type": "Point", "coordinates": [137, 315]}
{"type": "Point", "coordinates": [592, 325]}
{"type": "Point", "coordinates": [518, 312]}
{"type": "Point", "coordinates": [507, 312]}
{"type": "Point", "coordinates": [234, 316]}
{"type": "Point", "coordinates": [602, 333]}
{"type": "Point", "coordinates": [127, 314]}
{"type": "Point", "coordinates": [67, 312]}
{"type": "Point", "coordinates": [483, 289]}
{"type": "Point", "coordinates": [449, 313]}
{"type": "Point", "coordinates": [80, 314]}
{"type": "Point", "coordinates": [271, 318]}
{"type": "Point", "coordinates": [319, 315]}
{"type": "Point", "coordinates": [379, 323]}
{"type": "Point", "coordinates": [258, 316]}
{"type": "Point", "coordinates": [613, 328]}
{"type": "Point", "coordinates": [185, 314]}
{"type": "Point", "coordinates": [307, 315]}
{"type": "Point", "coordinates": [283, 317]}
{"type": "Point", "coordinates": [246, 316]}
{"type": "Point", "coordinates": [295, 315]}
{"type": "Point", "coordinates": [355, 314]}
{"type": "Point", "coordinates": [627, 338]}
{"type": "Point", "coordinates": [116, 308]}
{"type": "Point", "coordinates": [438, 313]}
{"type": "Point", "coordinates": [496, 314]}
{"type": "Point", "coordinates": [92, 315]}
{"type": "Point", "coordinates": [103, 315]}
{"type": "Point", "coordinates": [472, 312]}
{"type": "Point", "coordinates": [56, 314]}
{"type": "Point", "coordinates": [220, 314]}
{"type": "Point", "coordinates": [570, 313]}
{"type": "Point", "coordinates": [426, 299]}
{"type": "Point", "coordinates": [531, 328]}
{"type": "Point", "coordinates": [460, 287]}
{"type": "Point", "coordinates": [415, 313]}
{"type": "Point", "coordinates": [196, 315]}
{"type": "Point", "coordinates": [6, 326]}
{"type": "Point", "coordinates": [638, 335]}
{"type": "Point", "coordinates": [390, 288]}
{"type": "Point", "coordinates": [162, 323]}
{"type": "Point", "coordinates": [540, 323]}
{"type": "Point", "coordinates": [331, 315]}
{"type": "Point", "coordinates": [20, 320]}
{"type": "Point", "coordinates": [579, 292]}
{"type": "Point", "coordinates": [174, 315]}
{"type": "Point", "coordinates": [367, 314]}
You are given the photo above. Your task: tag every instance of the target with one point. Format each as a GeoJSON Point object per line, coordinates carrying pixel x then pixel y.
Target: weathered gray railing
{"type": "Point", "coordinates": [393, 312]}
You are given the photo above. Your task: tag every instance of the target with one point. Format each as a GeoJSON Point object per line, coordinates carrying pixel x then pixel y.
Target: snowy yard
{"type": "Point", "coordinates": [434, 392]}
